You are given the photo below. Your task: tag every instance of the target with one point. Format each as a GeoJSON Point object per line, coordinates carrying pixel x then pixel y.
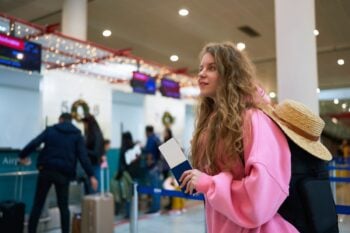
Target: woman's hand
{"type": "Point", "coordinates": [190, 179]}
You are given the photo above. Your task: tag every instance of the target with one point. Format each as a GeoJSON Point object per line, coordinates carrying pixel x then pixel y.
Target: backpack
{"type": "Point", "coordinates": [310, 205]}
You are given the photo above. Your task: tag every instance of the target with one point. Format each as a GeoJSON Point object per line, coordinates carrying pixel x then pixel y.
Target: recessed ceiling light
{"type": "Point", "coordinates": [316, 32]}
{"type": "Point", "coordinates": [240, 46]}
{"type": "Point", "coordinates": [318, 90]}
{"type": "Point", "coordinates": [335, 120]}
{"type": "Point", "coordinates": [183, 12]}
{"type": "Point", "coordinates": [341, 62]}
{"type": "Point", "coordinates": [272, 94]}
{"type": "Point", "coordinates": [174, 58]}
{"type": "Point", "coordinates": [107, 33]}
{"type": "Point", "coordinates": [336, 101]}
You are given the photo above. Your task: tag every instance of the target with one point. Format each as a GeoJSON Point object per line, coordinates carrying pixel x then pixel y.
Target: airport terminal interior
{"type": "Point", "coordinates": [127, 65]}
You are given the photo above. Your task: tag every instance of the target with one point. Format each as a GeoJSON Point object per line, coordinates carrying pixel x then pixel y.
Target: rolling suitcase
{"type": "Point", "coordinates": [12, 211]}
{"type": "Point", "coordinates": [98, 210]}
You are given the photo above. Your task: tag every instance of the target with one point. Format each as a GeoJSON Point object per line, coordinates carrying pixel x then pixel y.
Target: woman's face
{"type": "Point", "coordinates": [208, 76]}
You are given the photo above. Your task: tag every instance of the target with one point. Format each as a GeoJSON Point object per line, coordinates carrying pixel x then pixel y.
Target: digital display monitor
{"type": "Point", "coordinates": [18, 53]}
{"type": "Point", "coordinates": [170, 88]}
{"type": "Point", "coordinates": [143, 83]}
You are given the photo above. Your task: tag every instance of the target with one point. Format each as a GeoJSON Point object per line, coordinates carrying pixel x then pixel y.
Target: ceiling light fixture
{"type": "Point", "coordinates": [340, 62]}
{"type": "Point", "coordinates": [174, 58]}
{"type": "Point", "coordinates": [107, 33]}
{"type": "Point", "coordinates": [316, 32]}
{"type": "Point", "coordinates": [318, 90]}
{"type": "Point", "coordinates": [336, 101]}
{"type": "Point", "coordinates": [343, 106]}
{"type": "Point", "coordinates": [183, 12]}
{"type": "Point", "coordinates": [240, 46]}
{"type": "Point", "coordinates": [335, 120]}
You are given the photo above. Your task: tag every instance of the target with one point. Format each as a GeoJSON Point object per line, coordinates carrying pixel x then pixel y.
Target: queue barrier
{"type": "Point", "coordinates": [341, 209]}
{"type": "Point", "coordinates": [330, 168]}
{"type": "Point", "coordinates": [169, 193]}
{"type": "Point", "coordinates": [150, 190]}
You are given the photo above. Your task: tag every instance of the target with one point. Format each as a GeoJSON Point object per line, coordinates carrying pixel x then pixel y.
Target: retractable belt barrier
{"type": "Point", "coordinates": [347, 168]}
{"type": "Point", "coordinates": [150, 190]}
{"type": "Point", "coordinates": [169, 193]}
{"type": "Point", "coordinates": [341, 209]}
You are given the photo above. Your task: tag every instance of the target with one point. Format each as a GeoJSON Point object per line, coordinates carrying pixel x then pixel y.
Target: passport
{"type": "Point", "coordinates": [175, 158]}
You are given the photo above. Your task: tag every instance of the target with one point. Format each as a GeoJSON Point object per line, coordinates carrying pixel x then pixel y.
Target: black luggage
{"type": "Point", "coordinates": [11, 216]}
{"type": "Point", "coordinates": [12, 211]}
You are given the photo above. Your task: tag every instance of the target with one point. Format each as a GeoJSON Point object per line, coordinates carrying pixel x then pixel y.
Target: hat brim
{"type": "Point", "coordinates": [315, 148]}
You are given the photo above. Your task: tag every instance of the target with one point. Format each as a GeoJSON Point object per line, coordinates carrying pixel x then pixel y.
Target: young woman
{"type": "Point", "coordinates": [240, 157]}
{"type": "Point", "coordinates": [95, 146]}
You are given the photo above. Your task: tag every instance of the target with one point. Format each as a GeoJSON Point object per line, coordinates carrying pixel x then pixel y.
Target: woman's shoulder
{"type": "Point", "coordinates": [256, 115]}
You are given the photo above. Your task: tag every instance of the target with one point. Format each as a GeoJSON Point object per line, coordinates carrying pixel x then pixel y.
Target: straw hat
{"type": "Point", "coordinates": [300, 125]}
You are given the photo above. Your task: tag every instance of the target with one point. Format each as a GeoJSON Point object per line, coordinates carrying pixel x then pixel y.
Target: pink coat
{"type": "Point", "coordinates": [250, 204]}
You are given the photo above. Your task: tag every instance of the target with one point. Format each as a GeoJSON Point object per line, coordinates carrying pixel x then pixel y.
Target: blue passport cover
{"type": "Point", "coordinates": [179, 169]}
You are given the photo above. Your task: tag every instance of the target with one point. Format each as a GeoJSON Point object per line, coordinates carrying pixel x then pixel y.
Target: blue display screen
{"type": "Point", "coordinates": [170, 88]}
{"type": "Point", "coordinates": [143, 83]}
{"type": "Point", "coordinates": [18, 53]}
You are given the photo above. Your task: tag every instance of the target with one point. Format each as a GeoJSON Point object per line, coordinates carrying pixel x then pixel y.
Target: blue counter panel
{"type": "Point", "coordinates": [8, 166]}
{"type": "Point", "coordinates": [8, 178]}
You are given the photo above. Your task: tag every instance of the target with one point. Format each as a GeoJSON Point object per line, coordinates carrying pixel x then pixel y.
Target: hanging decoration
{"type": "Point", "coordinates": [167, 119]}
{"type": "Point", "coordinates": [76, 114]}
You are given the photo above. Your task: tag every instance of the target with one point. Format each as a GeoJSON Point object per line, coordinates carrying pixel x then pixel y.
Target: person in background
{"type": "Point", "coordinates": [167, 134]}
{"type": "Point", "coordinates": [107, 147]}
{"type": "Point", "coordinates": [94, 144]}
{"type": "Point", "coordinates": [63, 146]}
{"type": "Point", "coordinates": [122, 185]}
{"type": "Point", "coordinates": [163, 165]}
{"type": "Point", "coordinates": [152, 157]}
{"type": "Point", "coordinates": [241, 158]}
{"type": "Point", "coordinates": [176, 204]}
{"type": "Point", "coordinates": [346, 150]}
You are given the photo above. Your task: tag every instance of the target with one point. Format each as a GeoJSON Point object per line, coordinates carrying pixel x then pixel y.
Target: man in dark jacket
{"type": "Point", "coordinates": [56, 163]}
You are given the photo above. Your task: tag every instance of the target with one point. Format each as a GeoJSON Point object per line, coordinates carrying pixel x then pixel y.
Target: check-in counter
{"type": "Point", "coordinates": [11, 174]}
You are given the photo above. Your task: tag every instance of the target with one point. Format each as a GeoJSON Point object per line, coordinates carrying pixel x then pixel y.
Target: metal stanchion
{"type": "Point", "coordinates": [134, 211]}
{"type": "Point", "coordinates": [333, 184]}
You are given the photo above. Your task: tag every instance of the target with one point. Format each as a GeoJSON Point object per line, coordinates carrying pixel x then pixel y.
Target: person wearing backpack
{"type": "Point", "coordinates": [310, 205]}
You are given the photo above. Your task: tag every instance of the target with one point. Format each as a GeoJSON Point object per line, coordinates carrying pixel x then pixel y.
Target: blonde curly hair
{"type": "Point", "coordinates": [221, 121]}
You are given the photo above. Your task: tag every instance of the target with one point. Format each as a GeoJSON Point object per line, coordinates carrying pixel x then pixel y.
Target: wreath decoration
{"type": "Point", "coordinates": [167, 119]}
{"type": "Point", "coordinates": [74, 110]}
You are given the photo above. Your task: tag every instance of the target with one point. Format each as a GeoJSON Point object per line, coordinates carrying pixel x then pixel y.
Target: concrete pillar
{"type": "Point", "coordinates": [297, 76]}
{"type": "Point", "coordinates": [74, 18]}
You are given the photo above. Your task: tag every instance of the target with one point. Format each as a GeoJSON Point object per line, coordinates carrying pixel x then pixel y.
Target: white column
{"type": "Point", "coordinates": [296, 52]}
{"type": "Point", "coordinates": [74, 18]}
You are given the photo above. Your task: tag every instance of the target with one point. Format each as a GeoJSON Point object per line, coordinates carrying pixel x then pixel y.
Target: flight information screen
{"type": "Point", "coordinates": [18, 53]}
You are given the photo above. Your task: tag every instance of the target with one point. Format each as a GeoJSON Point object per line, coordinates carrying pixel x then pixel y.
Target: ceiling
{"type": "Point", "coordinates": [154, 31]}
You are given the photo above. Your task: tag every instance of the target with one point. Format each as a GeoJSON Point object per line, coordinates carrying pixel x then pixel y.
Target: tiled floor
{"type": "Point", "coordinates": [192, 221]}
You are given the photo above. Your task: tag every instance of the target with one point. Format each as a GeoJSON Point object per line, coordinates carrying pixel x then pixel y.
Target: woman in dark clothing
{"type": "Point", "coordinates": [126, 144]}
{"type": "Point", "coordinates": [167, 134]}
{"type": "Point", "coordinates": [94, 144]}
{"type": "Point", "coordinates": [122, 185]}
